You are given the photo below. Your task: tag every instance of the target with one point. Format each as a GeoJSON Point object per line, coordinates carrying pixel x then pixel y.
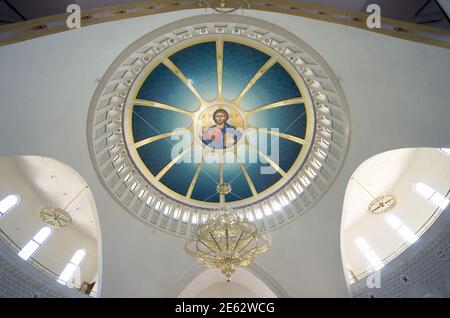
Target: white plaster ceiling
{"type": "Point", "coordinates": [393, 172]}
{"type": "Point", "coordinates": [373, 178]}
{"type": "Point", "coordinates": [60, 186]}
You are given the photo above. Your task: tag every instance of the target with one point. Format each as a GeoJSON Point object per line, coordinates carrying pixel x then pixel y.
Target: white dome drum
{"type": "Point", "coordinates": [188, 77]}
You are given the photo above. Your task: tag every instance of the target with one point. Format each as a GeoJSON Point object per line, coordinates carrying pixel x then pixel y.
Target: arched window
{"type": "Point", "coordinates": [72, 266]}
{"type": "Point", "coordinates": [369, 253]}
{"type": "Point", "coordinates": [8, 203]}
{"type": "Point", "coordinates": [432, 196]}
{"type": "Point", "coordinates": [33, 245]}
{"type": "Point", "coordinates": [398, 226]}
{"type": "Point", "coordinates": [445, 151]}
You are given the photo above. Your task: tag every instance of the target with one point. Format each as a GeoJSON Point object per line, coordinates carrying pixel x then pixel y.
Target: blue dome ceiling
{"type": "Point", "coordinates": [253, 85]}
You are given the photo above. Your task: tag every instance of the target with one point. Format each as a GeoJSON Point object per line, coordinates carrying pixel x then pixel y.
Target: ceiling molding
{"type": "Point", "coordinates": [31, 29]}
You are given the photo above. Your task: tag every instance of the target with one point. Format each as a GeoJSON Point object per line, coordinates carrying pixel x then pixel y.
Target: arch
{"type": "Point", "coordinates": [35, 243]}
{"type": "Point", "coordinates": [386, 240]}
{"type": "Point", "coordinates": [72, 267]}
{"type": "Point", "coordinates": [252, 281]}
{"type": "Point", "coordinates": [57, 216]}
{"type": "Point", "coordinates": [8, 203]}
{"type": "Point", "coordinates": [428, 193]}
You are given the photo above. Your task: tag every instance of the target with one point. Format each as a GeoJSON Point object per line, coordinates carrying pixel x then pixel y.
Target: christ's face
{"type": "Point", "coordinates": [220, 118]}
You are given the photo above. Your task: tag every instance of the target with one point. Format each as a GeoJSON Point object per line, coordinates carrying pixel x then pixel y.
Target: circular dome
{"type": "Point", "coordinates": [218, 109]}
{"type": "Point", "coordinates": [218, 100]}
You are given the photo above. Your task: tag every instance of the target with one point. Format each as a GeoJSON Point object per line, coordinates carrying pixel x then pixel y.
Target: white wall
{"type": "Point", "coordinates": [397, 93]}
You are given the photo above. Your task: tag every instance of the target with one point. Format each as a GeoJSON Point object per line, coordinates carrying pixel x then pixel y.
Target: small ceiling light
{"type": "Point", "coordinates": [382, 204]}
{"type": "Point", "coordinates": [57, 217]}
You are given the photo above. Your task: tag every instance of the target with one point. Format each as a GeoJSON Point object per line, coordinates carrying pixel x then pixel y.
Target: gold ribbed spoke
{"type": "Point", "coordinates": [214, 239]}
{"type": "Point", "coordinates": [194, 180]}
{"type": "Point", "coordinates": [253, 249]}
{"type": "Point", "coordinates": [268, 160]}
{"type": "Point", "coordinates": [377, 208]}
{"type": "Point", "coordinates": [227, 239]}
{"type": "Point", "coordinates": [249, 240]}
{"type": "Point", "coordinates": [149, 140]}
{"type": "Point", "coordinates": [248, 179]}
{"type": "Point", "coordinates": [272, 163]}
{"type": "Point", "coordinates": [247, 176]}
{"type": "Point", "coordinates": [219, 57]}
{"type": "Point", "coordinates": [171, 66]}
{"type": "Point", "coordinates": [207, 246]}
{"type": "Point", "coordinates": [222, 197]}
{"type": "Point", "coordinates": [172, 163]}
{"type": "Point", "coordinates": [238, 241]}
{"type": "Point", "coordinates": [257, 76]}
{"type": "Point", "coordinates": [149, 103]}
{"type": "Point", "coordinates": [287, 102]}
{"type": "Point", "coordinates": [284, 136]}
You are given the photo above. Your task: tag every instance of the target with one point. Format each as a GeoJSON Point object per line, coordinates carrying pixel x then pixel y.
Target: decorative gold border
{"type": "Point", "coordinates": [31, 29]}
{"type": "Point", "coordinates": [128, 111]}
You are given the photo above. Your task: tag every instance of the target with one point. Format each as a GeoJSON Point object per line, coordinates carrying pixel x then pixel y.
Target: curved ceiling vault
{"type": "Point", "coordinates": [417, 179]}
{"type": "Point", "coordinates": [55, 219]}
{"type": "Point", "coordinates": [175, 71]}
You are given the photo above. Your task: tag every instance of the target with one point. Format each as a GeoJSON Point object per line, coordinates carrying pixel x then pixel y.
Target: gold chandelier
{"type": "Point", "coordinates": [226, 240]}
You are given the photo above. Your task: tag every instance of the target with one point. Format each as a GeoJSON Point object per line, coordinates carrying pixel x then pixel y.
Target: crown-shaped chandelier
{"type": "Point", "coordinates": [223, 7]}
{"type": "Point", "coordinates": [226, 240]}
